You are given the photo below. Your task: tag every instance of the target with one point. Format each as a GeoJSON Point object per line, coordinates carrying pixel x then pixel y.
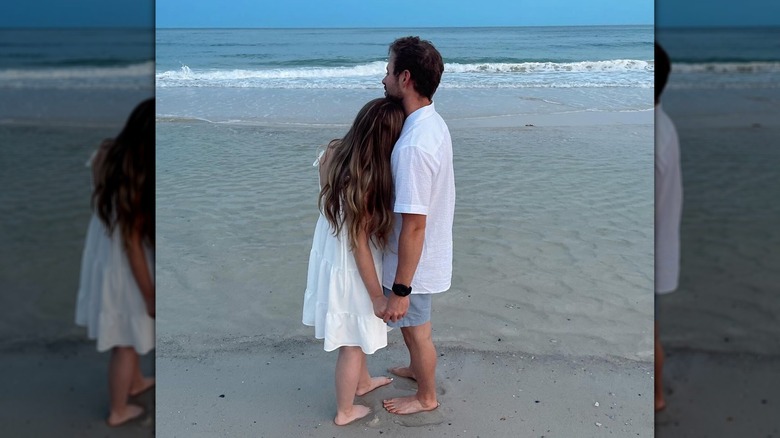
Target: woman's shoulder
{"type": "Point", "coordinates": [98, 157]}
{"type": "Point", "coordinates": [324, 153]}
{"type": "Point", "coordinates": [99, 154]}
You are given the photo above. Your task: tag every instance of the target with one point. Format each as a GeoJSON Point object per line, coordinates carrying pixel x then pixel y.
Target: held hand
{"type": "Point", "coordinates": [380, 305]}
{"type": "Point", "coordinates": [396, 308]}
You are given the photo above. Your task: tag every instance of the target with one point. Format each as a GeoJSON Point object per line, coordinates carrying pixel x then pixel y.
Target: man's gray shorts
{"type": "Point", "coordinates": [419, 310]}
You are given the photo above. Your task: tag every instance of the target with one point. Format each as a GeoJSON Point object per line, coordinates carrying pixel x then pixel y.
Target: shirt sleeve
{"type": "Point", "coordinates": [413, 171]}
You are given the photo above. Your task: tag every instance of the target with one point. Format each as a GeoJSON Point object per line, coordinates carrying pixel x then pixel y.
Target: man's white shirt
{"type": "Point", "coordinates": [424, 182]}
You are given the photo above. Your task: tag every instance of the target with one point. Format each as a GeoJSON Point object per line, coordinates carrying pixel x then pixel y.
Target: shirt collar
{"type": "Point", "coordinates": [421, 113]}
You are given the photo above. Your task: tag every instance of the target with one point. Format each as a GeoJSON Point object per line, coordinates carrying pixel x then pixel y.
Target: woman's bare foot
{"type": "Point", "coordinates": [376, 382]}
{"type": "Point", "coordinates": [402, 372]}
{"type": "Point", "coordinates": [144, 385]}
{"type": "Point", "coordinates": [129, 413]}
{"type": "Point", "coordinates": [356, 413]}
{"type": "Point", "coordinates": [408, 405]}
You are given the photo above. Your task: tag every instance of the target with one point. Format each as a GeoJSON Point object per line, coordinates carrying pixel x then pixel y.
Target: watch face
{"type": "Point", "coordinates": [401, 290]}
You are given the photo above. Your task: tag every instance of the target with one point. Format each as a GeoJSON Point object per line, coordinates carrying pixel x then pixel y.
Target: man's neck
{"type": "Point", "coordinates": [414, 102]}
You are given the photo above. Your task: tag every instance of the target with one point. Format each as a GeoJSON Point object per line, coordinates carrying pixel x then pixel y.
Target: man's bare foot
{"type": "Point", "coordinates": [147, 383]}
{"type": "Point", "coordinates": [118, 418]}
{"type": "Point", "coordinates": [402, 372]}
{"type": "Point", "coordinates": [408, 405]}
{"type": "Point", "coordinates": [376, 382]}
{"type": "Point", "coordinates": [356, 413]}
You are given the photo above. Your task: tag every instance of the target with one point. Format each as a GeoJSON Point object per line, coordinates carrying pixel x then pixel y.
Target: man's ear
{"type": "Point", "coordinates": [405, 78]}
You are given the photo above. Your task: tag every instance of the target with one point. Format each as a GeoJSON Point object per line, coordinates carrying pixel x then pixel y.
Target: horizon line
{"type": "Point", "coordinates": [396, 27]}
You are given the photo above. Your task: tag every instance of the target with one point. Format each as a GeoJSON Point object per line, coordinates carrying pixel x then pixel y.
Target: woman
{"type": "Point", "coordinates": [344, 299]}
{"type": "Point", "coordinates": [116, 293]}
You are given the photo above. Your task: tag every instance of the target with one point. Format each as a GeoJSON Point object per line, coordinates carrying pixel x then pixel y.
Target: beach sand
{"type": "Point", "coordinates": [249, 388]}
{"type": "Point", "coordinates": [719, 395]}
{"type": "Point", "coordinates": [551, 292]}
{"type": "Point", "coordinates": [61, 389]}
{"type": "Point", "coordinates": [721, 327]}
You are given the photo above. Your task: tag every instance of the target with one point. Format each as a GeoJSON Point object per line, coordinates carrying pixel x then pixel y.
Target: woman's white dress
{"type": "Point", "coordinates": [109, 303]}
{"type": "Point", "coordinates": [336, 301]}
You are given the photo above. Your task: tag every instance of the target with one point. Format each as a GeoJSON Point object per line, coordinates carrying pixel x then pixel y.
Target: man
{"type": "Point", "coordinates": [418, 262]}
{"type": "Point", "coordinates": [668, 209]}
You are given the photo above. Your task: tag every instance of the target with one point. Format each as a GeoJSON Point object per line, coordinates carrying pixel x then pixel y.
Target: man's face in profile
{"type": "Point", "coordinates": [392, 89]}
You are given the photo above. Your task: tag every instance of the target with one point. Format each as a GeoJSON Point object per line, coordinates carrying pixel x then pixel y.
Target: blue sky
{"type": "Point", "coordinates": [400, 13]}
{"type": "Point", "coordinates": [695, 13]}
{"type": "Point", "coordinates": [76, 13]}
{"type": "Point", "coordinates": [384, 13]}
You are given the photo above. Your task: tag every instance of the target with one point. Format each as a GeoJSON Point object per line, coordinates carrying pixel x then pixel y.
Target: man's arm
{"type": "Point", "coordinates": [410, 245]}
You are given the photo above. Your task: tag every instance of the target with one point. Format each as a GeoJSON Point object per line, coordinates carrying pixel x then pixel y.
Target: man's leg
{"type": "Point", "coordinates": [422, 354]}
{"type": "Point", "coordinates": [406, 371]}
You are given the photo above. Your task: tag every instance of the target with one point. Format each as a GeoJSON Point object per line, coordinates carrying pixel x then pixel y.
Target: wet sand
{"type": "Point", "coordinates": [253, 388]}
{"type": "Point", "coordinates": [61, 389]}
{"type": "Point", "coordinates": [721, 327]}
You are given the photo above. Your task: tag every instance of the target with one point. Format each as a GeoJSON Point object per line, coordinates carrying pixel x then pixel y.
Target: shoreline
{"type": "Point", "coordinates": [68, 381]}
{"type": "Point", "coordinates": [224, 392]}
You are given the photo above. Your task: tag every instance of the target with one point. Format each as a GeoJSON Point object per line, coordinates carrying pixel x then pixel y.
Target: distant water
{"type": "Point", "coordinates": [562, 57]}
{"type": "Point", "coordinates": [74, 76]}
{"type": "Point", "coordinates": [261, 76]}
{"type": "Point", "coordinates": [76, 58]}
{"type": "Point", "coordinates": [723, 57]}
{"type": "Point", "coordinates": [62, 91]}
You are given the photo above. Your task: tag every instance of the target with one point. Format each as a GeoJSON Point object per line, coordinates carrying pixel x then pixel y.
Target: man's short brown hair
{"type": "Point", "coordinates": [422, 60]}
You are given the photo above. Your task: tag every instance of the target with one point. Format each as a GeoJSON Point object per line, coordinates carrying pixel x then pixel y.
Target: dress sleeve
{"type": "Point", "coordinates": [319, 156]}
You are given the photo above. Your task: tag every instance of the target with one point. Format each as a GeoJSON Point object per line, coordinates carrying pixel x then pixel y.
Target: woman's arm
{"type": "Point", "coordinates": [138, 265]}
{"type": "Point", "coordinates": [365, 264]}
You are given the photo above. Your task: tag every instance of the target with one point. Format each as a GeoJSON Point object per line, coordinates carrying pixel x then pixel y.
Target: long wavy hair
{"type": "Point", "coordinates": [124, 179]}
{"type": "Point", "coordinates": [358, 189]}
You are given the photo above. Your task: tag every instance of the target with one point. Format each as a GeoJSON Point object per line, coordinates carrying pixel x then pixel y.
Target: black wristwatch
{"type": "Point", "coordinates": [401, 290]}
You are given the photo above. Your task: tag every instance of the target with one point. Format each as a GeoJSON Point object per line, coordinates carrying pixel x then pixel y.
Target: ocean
{"type": "Point", "coordinates": [610, 67]}
{"type": "Point", "coordinates": [718, 58]}
{"type": "Point", "coordinates": [724, 98]}
{"type": "Point", "coordinates": [62, 91]}
{"type": "Point", "coordinates": [552, 133]}
{"type": "Point", "coordinates": [353, 58]}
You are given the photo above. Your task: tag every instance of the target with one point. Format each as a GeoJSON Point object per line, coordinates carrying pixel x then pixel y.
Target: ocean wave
{"type": "Point", "coordinates": [617, 73]}
{"type": "Point", "coordinates": [131, 76]}
{"type": "Point", "coordinates": [187, 74]}
{"type": "Point", "coordinates": [378, 68]}
{"type": "Point", "coordinates": [615, 65]}
{"type": "Point", "coordinates": [81, 72]}
{"type": "Point", "coordinates": [727, 67]}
